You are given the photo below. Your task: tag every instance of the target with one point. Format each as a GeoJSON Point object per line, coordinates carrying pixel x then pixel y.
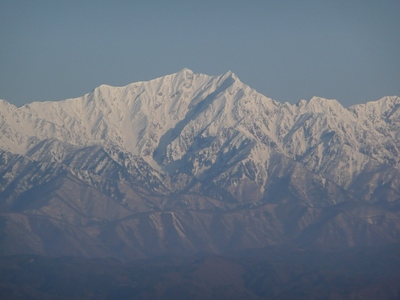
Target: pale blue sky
{"type": "Point", "coordinates": [287, 50]}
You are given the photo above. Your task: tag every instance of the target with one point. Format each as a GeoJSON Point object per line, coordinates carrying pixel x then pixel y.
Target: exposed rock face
{"type": "Point", "coordinates": [190, 162]}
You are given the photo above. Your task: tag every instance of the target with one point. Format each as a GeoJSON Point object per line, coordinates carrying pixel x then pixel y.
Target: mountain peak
{"type": "Point", "coordinates": [319, 105]}
{"type": "Point", "coordinates": [322, 101]}
{"type": "Point", "coordinates": [184, 72]}
{"type": "Point", "coordinates": [104, 88]}
{"type": "Point", "coordinates": [232, 75]}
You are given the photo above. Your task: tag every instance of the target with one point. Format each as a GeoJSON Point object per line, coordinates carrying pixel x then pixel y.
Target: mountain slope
{"type": "Point", "coordinates": [191, 162]}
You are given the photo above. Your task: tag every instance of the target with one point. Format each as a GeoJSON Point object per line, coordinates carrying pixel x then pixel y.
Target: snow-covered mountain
{"type": "Point", "coordinates": [191, 162]}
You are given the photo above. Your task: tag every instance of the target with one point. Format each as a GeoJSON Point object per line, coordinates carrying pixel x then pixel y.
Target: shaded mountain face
{"type": "Point", "coordinates": [190, 162]}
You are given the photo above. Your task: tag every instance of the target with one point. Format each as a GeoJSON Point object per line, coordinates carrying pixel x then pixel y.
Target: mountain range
{"type": "Point", "coordinates": [190, 162]}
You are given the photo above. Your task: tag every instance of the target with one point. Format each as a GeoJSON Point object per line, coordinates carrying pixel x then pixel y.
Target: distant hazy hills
{"type": "Point", "coordinates": [366, 273]}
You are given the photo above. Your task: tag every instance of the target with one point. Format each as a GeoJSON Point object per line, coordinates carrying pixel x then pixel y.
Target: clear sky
{"type": "Point", "coordinates": [286, 50]}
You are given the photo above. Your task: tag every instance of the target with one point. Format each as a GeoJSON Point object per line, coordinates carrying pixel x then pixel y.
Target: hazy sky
{"type": "Point", "coordinates": [287, 50]}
